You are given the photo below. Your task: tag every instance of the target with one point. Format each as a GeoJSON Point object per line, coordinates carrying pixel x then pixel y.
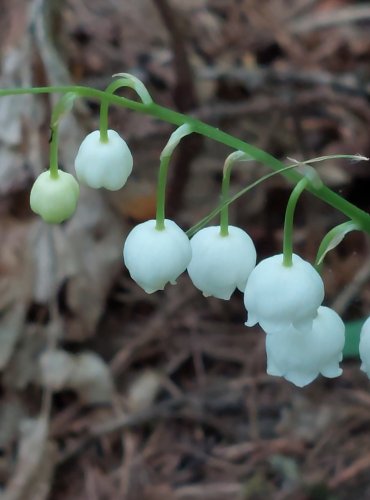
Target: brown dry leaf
{"type": "Point", "coordinates": [19, 115]}
{"type": "Point", "coordinates": [92, 379]}
{"type": "Point", "coordinates": [22, 368]}
{"type": "Point", "coordinates": [35, 466]}
{"type": "Point", "coordinates": [94, 240]}
{"type": "Point", "coordinates": [143, 391]}
{"type": "Point", "coordinates": [85, 373]}
{"type": "Point", "coordinates": [11, 414]}
{"type": "Point", "coordinates": [333, 175]}
{"type": "Point", "coordinates": [214, 491]}
{"type": "Point", "coordinates": [44, 261]}
{"type": "Point", "coordinates": [305, 420]}
{"type": "Point", "coordinates": [137, 202]}
{"type": "Point", "coordinates": [14, 272]}
{"type": "Point", "coordinates": [15, 290]}
{"type": "Point", "coordinates": [11, 327]}
{"type": "Point", "coordinates": [103, 22]}
{"type": "Point", "coordinates": [159, 492]}
{"type": "Point", "coordinates": [55, 369]}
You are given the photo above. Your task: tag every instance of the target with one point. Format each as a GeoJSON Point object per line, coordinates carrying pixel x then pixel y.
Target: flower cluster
{"type": "Point", "coordinates": [99, 164]}
{"type": "Point", "coordinates": [303, 338]}
{"type": "Point", "coordinates": [284, 296]}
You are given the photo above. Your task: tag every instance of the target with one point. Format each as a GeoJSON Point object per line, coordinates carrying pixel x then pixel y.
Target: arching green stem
{"type": "Point", "coordinates": [165, 158]}
{"type": "Point", "coordinates": [324, 193]}
{"type": "Point", "coordinates": [229, 162]}
{"type": "Point", "coordinates": [126, 80]}
{"type": "Point", "coordinates": [288, 222]}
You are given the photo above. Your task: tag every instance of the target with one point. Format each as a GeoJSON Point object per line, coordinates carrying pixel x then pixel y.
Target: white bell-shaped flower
{"type": "Point", "coordinates": [365, 347]}
{"type": "Point", "coordinates": [155, 257]}
{"type": "Point", "coordinates": [219, 264]}
{"type": "Point", "coordinates": [277, 296]}
{"type": "Point", "coordinates": [103, 164]}
{"type": "Point", "coordinates": [300, 356]}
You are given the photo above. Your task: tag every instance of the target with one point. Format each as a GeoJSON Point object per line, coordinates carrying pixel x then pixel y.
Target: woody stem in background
{"type": "Point", "coordinates": [185, 99]}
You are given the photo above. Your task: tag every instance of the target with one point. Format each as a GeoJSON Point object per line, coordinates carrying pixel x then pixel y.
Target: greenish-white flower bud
{"type": "Point", "coordinates": [54, 198]}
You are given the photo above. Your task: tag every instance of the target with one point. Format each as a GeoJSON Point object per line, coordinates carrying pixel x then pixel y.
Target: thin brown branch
{"type": "Point", "coordinates": [185, 98]}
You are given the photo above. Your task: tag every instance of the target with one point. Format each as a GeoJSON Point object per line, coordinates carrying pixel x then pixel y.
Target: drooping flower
{"type": "Point", "coordinates": [54, 198]}
{"type": "Point", "coordinates": [301, 356]}
{"type": "Point", "coordinates": [155, 257]}
{"type": "Point", "coordinates": [277, 296]}
{"type": "Point", "coordinates": [103, 164]}
{"type": "Point", "coordinates": [220, 264]}
{"type": "Point", "coordinates": [365, 347]}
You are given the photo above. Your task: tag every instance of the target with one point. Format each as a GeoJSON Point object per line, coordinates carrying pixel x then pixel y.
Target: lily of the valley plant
{"type": "Point", "coordinates": [283, 293]}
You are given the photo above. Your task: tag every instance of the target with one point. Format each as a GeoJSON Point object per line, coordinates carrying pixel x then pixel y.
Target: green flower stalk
{"type": "Point", "coordinates": [165, 159]}
{"type": "Point", "coordinates": [288, 222]}
{"type": "Point", "coordinates": [229, 163]}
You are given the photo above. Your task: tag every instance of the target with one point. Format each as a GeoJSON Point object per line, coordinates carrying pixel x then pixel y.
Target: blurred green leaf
{"type": "Point", "coordinates": [353, 329]}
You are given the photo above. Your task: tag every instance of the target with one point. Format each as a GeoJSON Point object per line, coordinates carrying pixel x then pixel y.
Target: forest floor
{"type": "Point", "coordinates": [108, 393]}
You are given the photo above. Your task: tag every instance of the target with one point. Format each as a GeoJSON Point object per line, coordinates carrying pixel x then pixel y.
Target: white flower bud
{"type": "Point", "coordinates": [155, 257]}
{"type": "Point", "coordinates": [300, 356]}
{"type": "Point", "coordinates": [103, 164]}
{"type": "Point", "coordinates": [219, 264]}
{"type": "Point", "coordinates": [277, 296]}
{"type": "Point", "coordinates": [365, 347]}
